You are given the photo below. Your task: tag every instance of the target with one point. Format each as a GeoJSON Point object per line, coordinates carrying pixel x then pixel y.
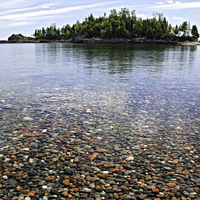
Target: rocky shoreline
{"type": "Point", "coordinates": [98, 40]}
{"type": "Point", "coordinates": [34, 41]}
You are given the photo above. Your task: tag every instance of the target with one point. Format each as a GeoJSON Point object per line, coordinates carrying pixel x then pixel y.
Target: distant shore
{"type": "Point", "coordinates": [99, 40]}
{"type": "Point", "coordinates": [33, 41]}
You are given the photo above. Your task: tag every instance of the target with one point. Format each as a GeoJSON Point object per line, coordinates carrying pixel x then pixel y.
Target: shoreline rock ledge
{"type": "Point", "coordinates": [19, 38]}
{"type": "Point", "coordinates": [123, 40]}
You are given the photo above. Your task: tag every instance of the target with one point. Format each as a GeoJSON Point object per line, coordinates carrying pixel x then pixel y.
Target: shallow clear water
{"type": "Point", "coordinates": [145, 81]}
{"type": "Point", "coordinates": [124, 116]}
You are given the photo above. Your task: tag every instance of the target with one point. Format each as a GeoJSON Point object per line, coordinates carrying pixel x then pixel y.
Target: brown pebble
{"type": "Point", "coordinates": [14, 198]}
{"type": "Point", "coordinates": [116, 196]}
{"type": "Point", "coordinates": [103, 187]}
{"type": "Point", "coordinates": [171, 184]}
{"type": "Point", "coordinates": [92, 157]}
{"type": "Point", "coordinates": [18, 188]}
{"type": "Point", "coordinates": [31, 194]}
{"type": "Point", "coordinates": [101, 150]}
{"type": "Point", "coordinates": [155, 190]}
{"type": "Point", "coordinates": [98, 187]}
{"type": "Point", "coordinates": [109, 165]}
{"type": "Point", "coordinates": [183, 198]}
{"type": "Point", "coordinates": [66, 183]}
{"type": "Point", "coordinates": [73, 165]}
{"type": "Point", "coordinates": [62, 159]}
{"type": "Point", "coordinates": [170, 173]}
{"type": "Point", "coordinates": [84, 196]}
{"type": "Point", "coordinates": [100, 164]}
{"type": "Point", "coordinates": [175, 161]}
{"type": "Point", "coordinates": [65, 194]}
{"type": "Point", "coordinates": [142, 196]}
{"type": "Point", "coordinates": [160, 195]}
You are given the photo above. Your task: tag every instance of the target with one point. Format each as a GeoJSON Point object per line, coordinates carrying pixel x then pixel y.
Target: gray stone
{"type": "Point", "coordinates": [69, 171]}
{"type": "Point", "coordinates": [12, 182]}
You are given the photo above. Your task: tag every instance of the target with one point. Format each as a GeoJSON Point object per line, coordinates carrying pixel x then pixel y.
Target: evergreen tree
{"type": "Point", "coordinates": [184, 26]}
{"type": "Point", "coordinates": [122, 24]}
{"type": "Point", "coordinates": [176, 29]}
{"type": "Point", "coordinates": [195, 32]}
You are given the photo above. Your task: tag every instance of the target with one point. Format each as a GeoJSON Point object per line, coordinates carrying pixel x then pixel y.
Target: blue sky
{"type": "Point", "coordinates": [22, 16]}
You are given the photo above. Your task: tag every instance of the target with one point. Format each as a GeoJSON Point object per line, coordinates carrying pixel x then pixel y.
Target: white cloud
{"type": "Point", "coordinates": [18, 10]}
{"type": "Point", "coordinates": [53, 12]}
{"type": "Point", "coordinates": [11, 3]}
{"type": "Point", "coordinates": [177, 5]}
{"type": "Point", "coordinates": [141, 16]}
{"type": "Point", "coordinates": [179, 18]}
{"type": "Point", "coordinates": [170, 1]}
{"type": "Point", "coordinates": [20, 24]}
{"type": "Point", "coordinates": [165, 2]}
{"type": "Point", "coordinates": [160, 2]}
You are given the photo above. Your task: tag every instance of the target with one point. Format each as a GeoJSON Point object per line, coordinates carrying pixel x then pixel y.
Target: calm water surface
{"type": "Point", "coordinates": [144, 81]}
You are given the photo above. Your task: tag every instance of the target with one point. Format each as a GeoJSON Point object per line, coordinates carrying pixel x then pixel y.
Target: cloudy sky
{"type": "Point", "coordinates": [22, 16]}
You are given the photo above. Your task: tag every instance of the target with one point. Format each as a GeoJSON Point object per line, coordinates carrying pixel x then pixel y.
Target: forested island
{"type": "Point", "coordinates": [122, 26]}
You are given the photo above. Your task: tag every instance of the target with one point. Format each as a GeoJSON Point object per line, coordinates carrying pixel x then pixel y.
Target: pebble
{"type": "Point", "coordinates": [69, 171]}
{"type": "Point", "coordinates": [130, 158]}
{"type": "Point", "coordinates": [27, 119]}
{"type": "Point", "coordinates": [52, 149]}
{"type": "Point", "coordinates": [5, 177]}
{"type": "Point", "coordinates": [87, 190]}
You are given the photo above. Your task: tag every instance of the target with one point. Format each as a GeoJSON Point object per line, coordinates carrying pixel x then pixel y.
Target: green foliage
{"type": "Point", "coordinates": [66, 32]}
{"type": "Point", "coordinates": [122, 24]}
{"type": "Point", "coordinates": [18, 38]}
{"type": "Point", "coordinates": [176, 29]}
{"type": "Point", "coordinates": [183, 27]}
{"type": "Point", "coordinates": [195, 32]}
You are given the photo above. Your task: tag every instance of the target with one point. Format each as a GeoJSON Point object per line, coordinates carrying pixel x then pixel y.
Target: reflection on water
{"type": "Point", "coordinates": [99, 74]}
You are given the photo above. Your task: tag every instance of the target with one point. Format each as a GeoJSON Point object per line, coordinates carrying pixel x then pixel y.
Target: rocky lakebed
{"type": "Point", "coordinates": [51, 148]}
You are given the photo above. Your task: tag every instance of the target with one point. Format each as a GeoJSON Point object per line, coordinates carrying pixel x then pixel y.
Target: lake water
{"type": "Point", "coordinates": [113, 77]}
{"type": "Point", "coordinates": [143, 98]}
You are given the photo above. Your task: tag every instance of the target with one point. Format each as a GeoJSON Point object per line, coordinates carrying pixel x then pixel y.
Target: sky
{"type": "Point", "coordinates": [22, 16]}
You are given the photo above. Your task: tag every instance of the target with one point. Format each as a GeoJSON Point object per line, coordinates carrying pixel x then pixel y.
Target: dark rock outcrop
{"type": "Point", "coordinates": [19, 38]}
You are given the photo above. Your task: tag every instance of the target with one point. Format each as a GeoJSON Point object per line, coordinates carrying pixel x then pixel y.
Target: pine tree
{"type": "Point", "coordinates": [195, 32]}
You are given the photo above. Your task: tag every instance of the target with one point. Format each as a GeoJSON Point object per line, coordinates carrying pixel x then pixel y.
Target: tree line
{"type": "Point", "coordinates": [122, 24]}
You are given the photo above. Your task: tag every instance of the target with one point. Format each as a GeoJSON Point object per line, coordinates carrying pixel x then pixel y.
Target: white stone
{"type": "Point", "coordinates": [27, 119]}
{"type": "Point", "coordinates": [5, 177]}
{"type": "Point", "coordinates": [130, 158]}
{"type": "Point", "coordinates": [26, 149]}
{"type": "Point", "coordinates": [31, 160]}
{"type": "Point", "coordinates": [44, 187]}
